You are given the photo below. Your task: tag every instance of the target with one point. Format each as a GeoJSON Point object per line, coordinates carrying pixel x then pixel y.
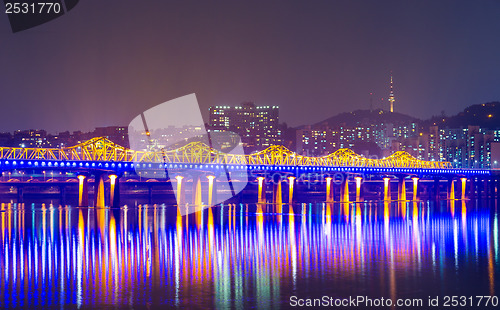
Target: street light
{"type": "Point", "coordinates": [44, 176]}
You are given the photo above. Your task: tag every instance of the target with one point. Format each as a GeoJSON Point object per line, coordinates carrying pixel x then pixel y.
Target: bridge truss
{"type": "Point", "coordinates": [102, 149]}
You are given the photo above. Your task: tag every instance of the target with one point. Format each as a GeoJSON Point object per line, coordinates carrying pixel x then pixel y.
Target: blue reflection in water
{"type": "Point", "coordinates": [245, 255]}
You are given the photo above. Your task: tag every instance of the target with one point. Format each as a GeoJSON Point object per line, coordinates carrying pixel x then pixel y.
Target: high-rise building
{"type": "Point", "coordinates": [317, 141]}
{"type": "Point", "coordinates": [117, 134]}
{"type": "Point", "coordinates": [30, 138]}
{"type": "Point", "coordinates": [258, 126]}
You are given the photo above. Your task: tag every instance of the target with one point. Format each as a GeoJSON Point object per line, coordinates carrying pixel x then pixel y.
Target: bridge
{"type": "Point", "coordinates": [106, 160]}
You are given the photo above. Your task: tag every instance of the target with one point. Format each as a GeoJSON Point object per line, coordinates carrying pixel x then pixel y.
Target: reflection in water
{"type": "Point", "coordinates": [237, 257]}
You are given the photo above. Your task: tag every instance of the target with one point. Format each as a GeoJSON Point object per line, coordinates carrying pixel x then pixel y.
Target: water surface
{"type": "Point", "coordinates": [245, 255]}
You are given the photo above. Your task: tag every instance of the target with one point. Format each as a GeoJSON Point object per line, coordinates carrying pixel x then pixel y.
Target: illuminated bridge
{"type": "Point", "coordinates": [102, 153]}
{"type": "Point", "coordinates": [102, 158]}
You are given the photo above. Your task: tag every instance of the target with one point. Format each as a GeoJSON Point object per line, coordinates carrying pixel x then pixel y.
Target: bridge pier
{"type": "Point", "coordinates": [463, 188]}
{"type": "Point", "coordinates": [451, 189]}
{"type": "Point", "coordinates": [277, 192]}
{"type": "Point", "coordinates": [329, 190]}
{"type": "Point", "coordinates": [387, 189]}
{"type": "Point", "coordinates": [150, 193]}
{"type": "Point", "coordinates": [261, 195]}
{"type": "Point", "coordinates": [180, 191]}
{"type": "Point", "coordinates": [485, 188]}
{"type": "Point", "coordinates": [99, 198]}
{"type": "Point", "coordinates": [291, 183]}
{"type": "Point", "coordinates": [196, 190]}
{"type": "Point", "coordinates": [415, 188]}
{"type": "Point", "coordinates": [114, 190]}
{"type": "Point", "coordinates": [491, 192]}
{"type": "Point", "coordinates": [436, 189]}
{"type": "Point", "coordinates": [344, 190]}
{"type": "Point", "coordinates": [212, 191]}
{"type": "Point", "coordinates": [278, 196]}
{"type": "Point", "coordinates": [359, 189]}
{"type": "Point", "coordinates": [472, 188]}
{"type": "Point", "coordinates": [197, 197]}
{"type": "Point", "coordinates": [498, 188]}
{"type": "Point", "coordinates": [20, 194]}
{"type": "Point", "coordinates": [83, 191]}
{"type": "Point", "coordinates": [401, 188]}
{"type": "Point", "coordinates": [480, 188]}
{"type": "Point", "coordinates": [62, 194]}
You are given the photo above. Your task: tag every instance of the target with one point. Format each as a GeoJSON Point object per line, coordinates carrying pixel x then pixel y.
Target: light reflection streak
{"type": "Point", "coordinates": [102, 256]}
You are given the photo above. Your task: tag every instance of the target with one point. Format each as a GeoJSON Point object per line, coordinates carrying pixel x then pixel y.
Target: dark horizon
{"type": "Point", "coordinates": [103, 63]}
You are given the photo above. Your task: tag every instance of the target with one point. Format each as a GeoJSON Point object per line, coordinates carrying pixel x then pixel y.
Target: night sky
{"type": "Point", "coordinates": [104, 62]}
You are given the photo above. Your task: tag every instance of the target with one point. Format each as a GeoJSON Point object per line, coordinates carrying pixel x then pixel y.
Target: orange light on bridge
{"type": "Point", "coordinates": [329, 193]}
{"type": "Point", "coordinates": [179, 190]}
{"type": "Point", "coordinates": [415, 188]}
{"type": "Point", "coordinates": [464, 184]}
{"type": "Point", "coordinates": [210, 189]}
{"type": "Point", "coordinates": [387, 193]}
{"type": "Point", "coordinates": [358, 188]}
{"type": "Point", "coordinates": [291, 181]}
{"type": "Point", "coordinates": [261, 194]}
{"type": "Point", "coordinates": [82, 191]}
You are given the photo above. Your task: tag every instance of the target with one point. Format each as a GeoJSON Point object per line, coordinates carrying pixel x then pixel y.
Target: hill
{"type": "Point", "coordinates": [486, 115]}
{"type": "Point", "coordinates": [366, 117]}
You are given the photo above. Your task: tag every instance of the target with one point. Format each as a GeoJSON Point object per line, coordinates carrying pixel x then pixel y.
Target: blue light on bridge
{"type": "Point", "coordinates": [124, 166]}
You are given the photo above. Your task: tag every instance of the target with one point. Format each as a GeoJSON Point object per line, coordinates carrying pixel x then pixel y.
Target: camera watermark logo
{"type": "Point", "coordinates": [172, 142]}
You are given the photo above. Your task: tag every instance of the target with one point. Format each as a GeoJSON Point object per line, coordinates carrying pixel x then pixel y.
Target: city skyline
{"type": "Point", "coordinates": [370, 133]}
{"type": "Point", "coordinates": [230, 106]}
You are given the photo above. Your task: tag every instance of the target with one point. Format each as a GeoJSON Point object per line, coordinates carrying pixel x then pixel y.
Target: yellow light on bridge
{"type": "Point", "coordinates": [198, 152]}
{"type": "Point", "coordinates": [464, 184]}
{"type": "Point", "coordinates": [358, 181]}
{"type": "Point", "coordinates": [415, 187]}
{"type": "Point", "coordinates": [261, 194]}
{"type": "Point", "coordinates": [387, 193]}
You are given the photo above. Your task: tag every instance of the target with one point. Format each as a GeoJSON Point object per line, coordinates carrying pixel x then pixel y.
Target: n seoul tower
{"type": "Point", "coordinates": [391, 96]}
